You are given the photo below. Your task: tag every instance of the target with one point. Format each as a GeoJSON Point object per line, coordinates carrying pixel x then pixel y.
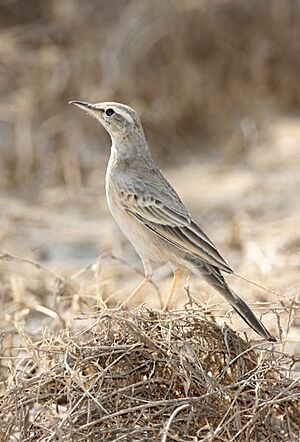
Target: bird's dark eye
{"type": "Point", "coordinates": [109, 112]}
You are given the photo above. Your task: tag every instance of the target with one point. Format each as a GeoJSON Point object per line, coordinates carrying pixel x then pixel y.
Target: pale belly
{"type": "Point", "coordinates": [146, 243]}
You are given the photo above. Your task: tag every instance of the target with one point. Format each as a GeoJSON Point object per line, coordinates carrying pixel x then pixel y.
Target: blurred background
{"type": "Point", "coordinates": [217, 86]}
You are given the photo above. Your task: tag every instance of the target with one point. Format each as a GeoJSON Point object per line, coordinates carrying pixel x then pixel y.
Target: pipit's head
{"type": "Point", "coordinates": [119, 120]}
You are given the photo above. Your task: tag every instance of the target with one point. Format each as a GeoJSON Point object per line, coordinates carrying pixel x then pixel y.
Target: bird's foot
{"type": "Point", "coordinates": [167, 309]}
{"type": "Point", "coordinates": [123, 307]}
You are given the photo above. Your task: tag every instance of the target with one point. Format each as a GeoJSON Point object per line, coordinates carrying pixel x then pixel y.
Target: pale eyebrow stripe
{"type": "Point", "coordinates": [125, 115]}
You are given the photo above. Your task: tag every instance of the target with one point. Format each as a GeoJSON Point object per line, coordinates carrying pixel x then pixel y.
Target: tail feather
{"type": "Point", "coordinates": [214, 277]}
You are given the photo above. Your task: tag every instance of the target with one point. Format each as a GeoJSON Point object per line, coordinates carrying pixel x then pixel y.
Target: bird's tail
{"type": "Point", "coordinates": [214, 277]}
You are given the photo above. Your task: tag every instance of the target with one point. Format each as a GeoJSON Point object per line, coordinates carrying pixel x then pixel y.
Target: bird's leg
{"type": "Point", "coordinates": [135, 291]}
{"type": "Point", "coordinates": [176, 276]}
{"type": "Point", "coordinates": [187, 289]}
{"type": "Point", "coordinates": [147, 278]}
{"type": "Point", "coordinates": [187, 283]}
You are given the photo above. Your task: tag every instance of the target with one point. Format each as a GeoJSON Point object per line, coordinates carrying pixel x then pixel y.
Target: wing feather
{"type": "Point", "coordinates": [152, 200]}
{"type": "Point", "coordinates": [177, 229]}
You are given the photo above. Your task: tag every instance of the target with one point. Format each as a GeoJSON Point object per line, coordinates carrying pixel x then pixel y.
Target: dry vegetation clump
{"type": "Point", "coordinates": [144, 375]}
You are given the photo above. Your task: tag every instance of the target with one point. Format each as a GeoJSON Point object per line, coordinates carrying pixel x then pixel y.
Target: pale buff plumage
{"type": "Point", "coordinates": [151, 214]}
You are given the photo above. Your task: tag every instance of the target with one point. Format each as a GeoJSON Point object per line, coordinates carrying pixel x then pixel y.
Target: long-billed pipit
{"type": "Point", "coordinates": [151, 214]}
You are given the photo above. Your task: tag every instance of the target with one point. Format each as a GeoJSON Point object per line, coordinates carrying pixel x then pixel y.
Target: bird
{"type": "Point", "coordinates": [151, 214]}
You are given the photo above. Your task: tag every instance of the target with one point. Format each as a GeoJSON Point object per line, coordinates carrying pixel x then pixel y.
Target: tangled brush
{"type": "Point", "coordinates": [146, 375]}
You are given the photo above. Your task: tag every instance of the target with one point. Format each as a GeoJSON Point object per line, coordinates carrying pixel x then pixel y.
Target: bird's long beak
{"type": "Point", "coordinates": [91, 109]}
{"type": "Point", "coordinates": [84, 105]}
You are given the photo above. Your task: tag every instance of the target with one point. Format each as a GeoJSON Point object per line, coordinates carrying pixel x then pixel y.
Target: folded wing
{"type": "Point", "coordinates": [166, 216]}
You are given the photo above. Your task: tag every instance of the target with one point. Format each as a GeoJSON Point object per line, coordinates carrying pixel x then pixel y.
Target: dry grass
{"type": "Point", "coordinates": [137, 375]}
{"type": "Point", "coordinates": [143, 375]}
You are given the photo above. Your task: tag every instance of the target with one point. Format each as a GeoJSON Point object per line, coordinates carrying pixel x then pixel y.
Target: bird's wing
{"type": "Point", "coordinates": [163, 213]}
